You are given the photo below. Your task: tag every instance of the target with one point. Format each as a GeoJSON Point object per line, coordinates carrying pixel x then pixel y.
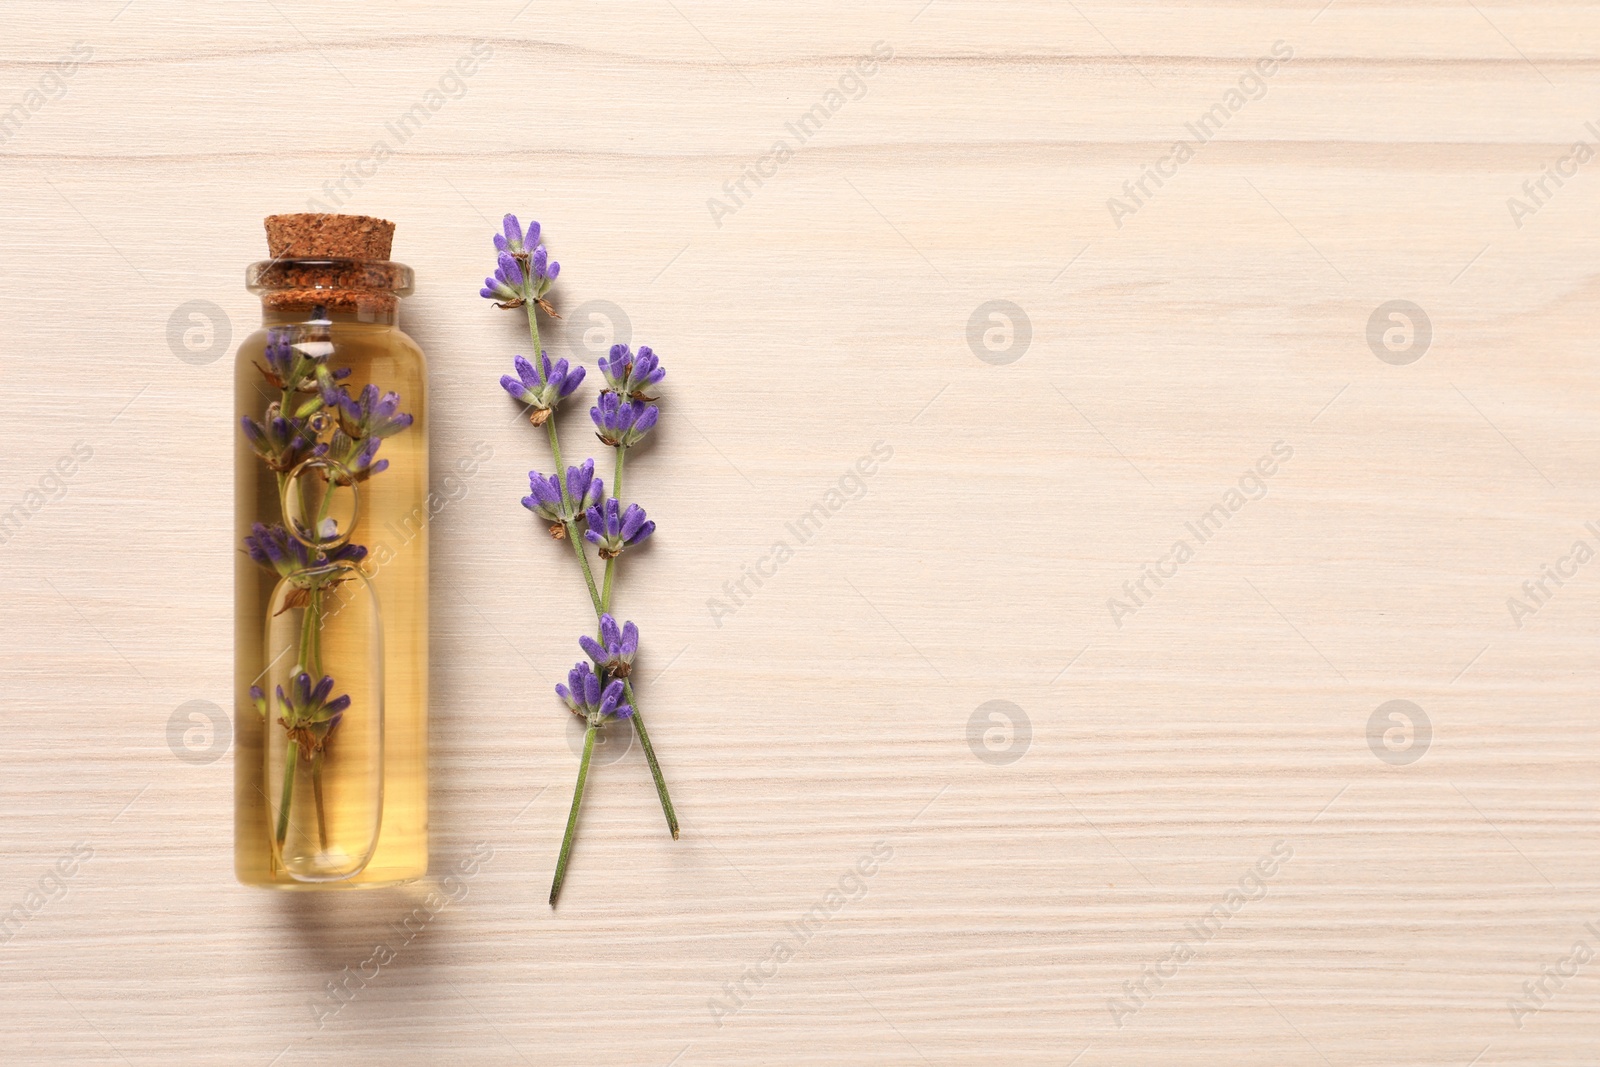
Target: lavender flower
{"type": "Point", "coordinates": [297, 365]}
{"type": "Point", "coordinates": [509, 269]}
{"type": "Point", "coordinates": [514, 241]}
{"type": "Point", "coordinates": [632, 374]}
{"type": "Point", "coordinates": [356, 457]}
{"type": "Point", "coordinates": [368, 415]}
{"type": "Point", "coordinates": [622, 423]}
{"type": "Point", "coordinates": [525, 269]}
{"type": "Point", "coordinates": [544, 498]}
{"type": "Point", "coordinates": [614, 652]}
{"type": "Point", "coordinates": [544, 268]}
{"type": "Point", "coordinates": [541, 391]}
{"type": "Point", "coordinates": [613, 529]}
{"type": "Point", "coordinates": [274, 548]}
{"type": "Point", "coordinates": [504, 286]}
{"type": "Point", "coordinates": [285, 367]}
{"type": "Point", "coordinates": [308, 714]}
{"type": "Point", "coordinates": [327, 384]}
{"type": "Point", "coordinates": [585, 698]}
{"type": "Point", "coordinates": [282, 441]}
{"type": "Point", "coordinates": [584, 488]}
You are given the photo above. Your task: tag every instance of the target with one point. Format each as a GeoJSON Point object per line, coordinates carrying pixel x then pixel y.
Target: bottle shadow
{"type": "Point", "coordinates": [369, 954]}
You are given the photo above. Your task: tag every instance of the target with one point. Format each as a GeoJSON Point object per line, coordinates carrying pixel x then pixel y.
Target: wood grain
{"type": "Point", "coordinates": [1026, 889]}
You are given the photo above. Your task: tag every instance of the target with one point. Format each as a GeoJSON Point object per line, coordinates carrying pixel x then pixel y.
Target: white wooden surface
{"type": "Point", "coordinates": [828, 715]}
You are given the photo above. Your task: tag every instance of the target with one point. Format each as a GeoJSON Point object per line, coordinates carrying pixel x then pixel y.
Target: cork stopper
{"type": "Point", "coordinates": [313, 236]}
{"type": "Point", "coordinates": [333, 262]}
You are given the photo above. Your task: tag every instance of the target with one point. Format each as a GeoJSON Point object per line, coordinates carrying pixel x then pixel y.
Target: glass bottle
{"type": "Point", "coordinates": [331, 580]}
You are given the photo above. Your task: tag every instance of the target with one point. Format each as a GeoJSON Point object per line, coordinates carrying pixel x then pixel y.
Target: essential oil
{"type": "Point", "coordinates": [331, 577]}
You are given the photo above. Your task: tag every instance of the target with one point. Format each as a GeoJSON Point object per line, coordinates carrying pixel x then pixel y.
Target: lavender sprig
{"type": "Point", "coordinates": [594, 701]}
{"type": "Point", "coordinates": [623, 416]}
{"type": "Point", "coordinates": [328, 424]}
{"type": "Point", "coordinates": [309, 717]}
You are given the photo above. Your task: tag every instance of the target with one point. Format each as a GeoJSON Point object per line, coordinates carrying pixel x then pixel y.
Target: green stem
{"type": "Point", "coordinates": [304, 654]}
{"type": "Point", "coordinates": [310, 662]}
{"type": "Point", "coordinates": [572, 819]}
{"type": "Point", "coordinates": [533, 330]}
{"type": "Point", "coordinates": [289, 755]}
{"type": "Point", "coordinates": [316, 790]}
{"type": "Point", "coordinates": [549, 423]}
{"type": "Point", "coordinates": [291, 748]}
{"type": "Point", "coordinates": [583, 561]}
{"type": "Point", "coordinates": [314, 612]}
{"type": "Point", "coordinates": [314, 654]}
{"type": "Point", "coordinates": [650, 758]}
{"type": "Point", "coordinates": [322, 512]}
{"type": "Point", "coordinates": [611, 564]}
{"type": "Point", "coordinates": [555, 448]}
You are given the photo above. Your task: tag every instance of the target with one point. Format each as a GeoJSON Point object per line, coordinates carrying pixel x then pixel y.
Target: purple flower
{"type": "Point", "coordinates": [275, 549]}
{"type": "Point", "coordinates": [356, 457]}
{"type": "Point", "coordinates": [542, 391]}
{"type": "Point", "coordinates": [514, 240]}
{"type": "Point", "coordinates": [308, 714]}
{"type": "Point", "coordinates": [584, 488]}
{"type": "Point", "coordinates": [614, 529]}
{"type": "Point", "coordinates": [291, 430]}
{"type": "Point", "coordinates": [584, 697]}
{"type": "Point", "coordinates": [544, 498]}
{"type": "Point", "coordinates": [281, 441]}
{"type": "Point", "coordinates": [505, 286]}
{"type": "Point", "coordinates": [369, 414]}
{"type": "Point", "coordinates": [327, 385]}
{"type": "Point", "coordinates": [525, 269]}
{"type": "Point", "coordinates": [543, 267]}
{"type": "Point", "coordinates": [297, 359]}
{"type": "Point", "coordinates": [509, 270]}
{"type": "Point", "coordinates": [622, 422]}
{"type": "Point", "coordinates": [285, 367]}
{"type": "Point", "coordinates": [614, 652]}
{"type": "Point", "coordinates": [632, 374]}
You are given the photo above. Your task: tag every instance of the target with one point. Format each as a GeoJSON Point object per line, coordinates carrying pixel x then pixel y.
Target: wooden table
{"type": "Point", "coordinates": [982, 767]}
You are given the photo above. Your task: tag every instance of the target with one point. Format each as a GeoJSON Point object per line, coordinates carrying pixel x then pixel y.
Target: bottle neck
{"type": "Point", "coordinates": [300, 291]}
{"type": "Point", "coordinates": [373, 313]}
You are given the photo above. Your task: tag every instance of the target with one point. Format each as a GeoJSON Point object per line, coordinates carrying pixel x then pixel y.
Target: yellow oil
{"type": "Point", "coordinates": [392, 524]}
